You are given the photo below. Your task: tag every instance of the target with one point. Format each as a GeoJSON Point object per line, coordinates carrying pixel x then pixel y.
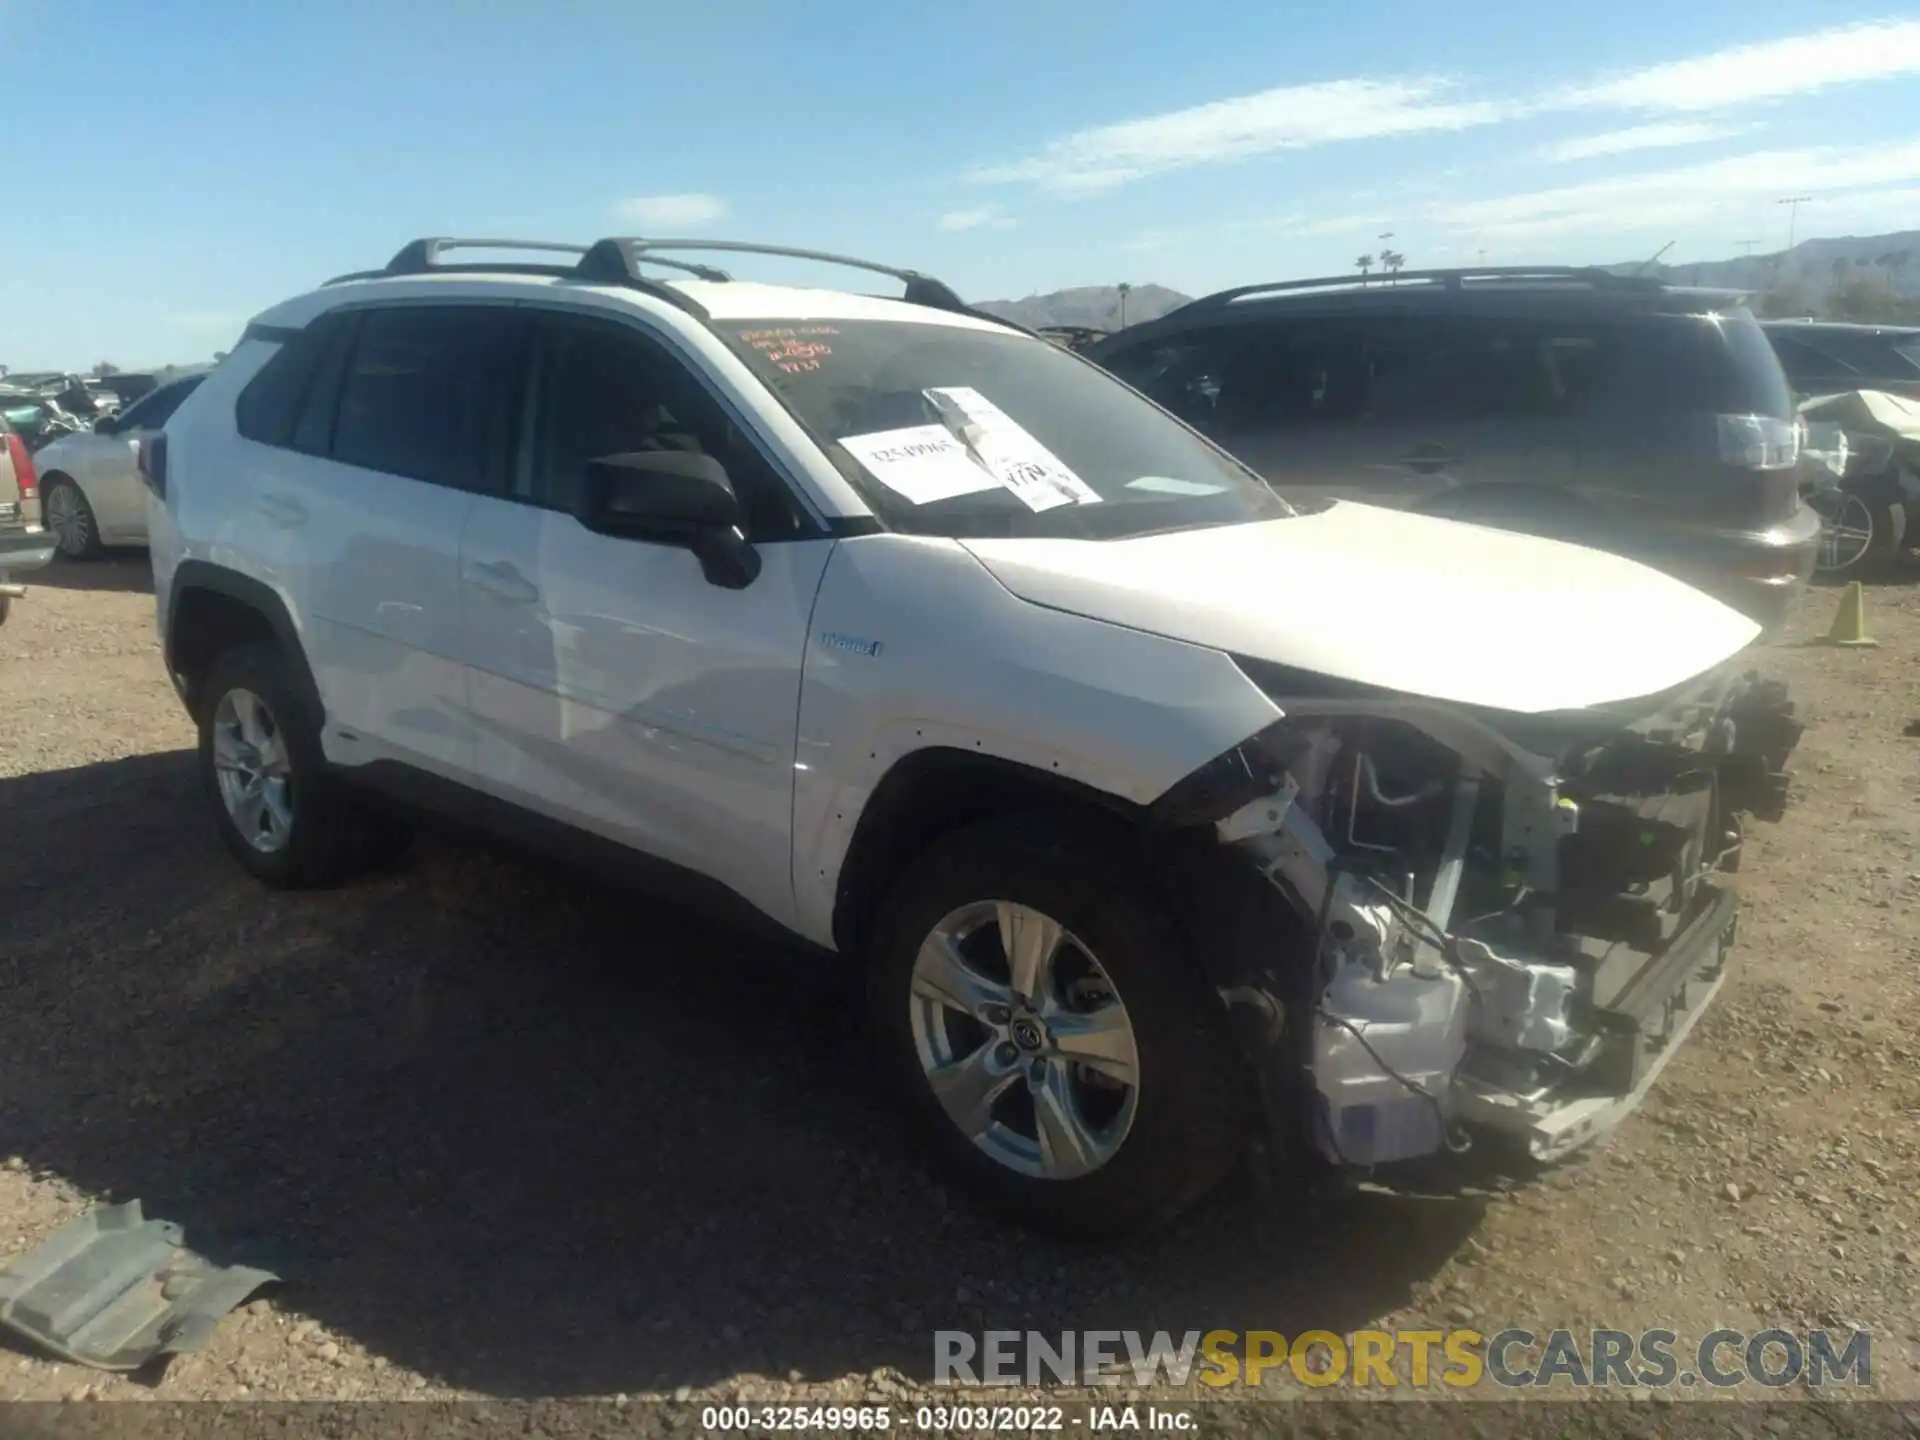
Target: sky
{"type": "Point", "coordinates": [177, 168]}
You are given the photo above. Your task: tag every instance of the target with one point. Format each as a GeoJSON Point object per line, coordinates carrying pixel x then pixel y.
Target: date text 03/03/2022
{"type": "Point", "coordinates": [945, 1418]}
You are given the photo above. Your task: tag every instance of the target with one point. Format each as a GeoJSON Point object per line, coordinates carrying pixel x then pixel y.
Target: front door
{"type": "Point", "coordinates": [613, 685]}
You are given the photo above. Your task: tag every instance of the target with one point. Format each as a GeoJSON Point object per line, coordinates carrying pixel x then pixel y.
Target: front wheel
{"type": "Point", "coordinates": [1856, 534]}
{"type": "Point", "coordinates": [1040, 1013]}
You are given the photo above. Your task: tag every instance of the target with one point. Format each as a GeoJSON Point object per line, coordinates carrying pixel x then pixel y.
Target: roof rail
{"type": "Point", "coordinates": [610, 257]}
{"type": "Point", "coordinates": [617, 261]}
{"type": "Point", "coordinates": [423, 257]}
{"type": "Point", "coordinates": [1431, 279]}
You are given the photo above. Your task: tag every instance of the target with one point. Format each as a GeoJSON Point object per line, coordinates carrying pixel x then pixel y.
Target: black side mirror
{"type": "Point", "coordinates": [104, 425]}
{"type": "Point", "coordinates": [672, 497]}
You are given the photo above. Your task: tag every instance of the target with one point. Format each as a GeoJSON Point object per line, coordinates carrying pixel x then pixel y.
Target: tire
{"type": "Point", "coordinates": [1183, 1127]}
{"type": "Point", "coordinates": [299, 827]}
{"type": "Point", "coordinates": [78, 538]}
{"type": "Point", "coordinates": [1856, 538]}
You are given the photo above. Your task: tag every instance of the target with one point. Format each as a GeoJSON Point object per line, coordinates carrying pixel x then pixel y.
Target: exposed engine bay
{"type": "Point", "coordinates": [1513, 917]}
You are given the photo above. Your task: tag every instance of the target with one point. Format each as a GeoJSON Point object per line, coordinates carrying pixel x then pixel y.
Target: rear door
{"type": "Point", "coordinates": [414, 421]}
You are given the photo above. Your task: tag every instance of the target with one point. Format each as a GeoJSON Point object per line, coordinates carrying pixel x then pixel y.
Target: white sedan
{"type": "Point", "coordinates": [90, 490]}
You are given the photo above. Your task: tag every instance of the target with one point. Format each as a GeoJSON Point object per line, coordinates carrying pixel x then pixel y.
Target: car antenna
{"type": "Point", "coordinates": [1654, 258]}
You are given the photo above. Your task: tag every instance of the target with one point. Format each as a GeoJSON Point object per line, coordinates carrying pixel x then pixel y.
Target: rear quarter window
{"type": "Point", "coordinates": [269, 405]}
{"type": "Point", "coordinates": [1720, 364]}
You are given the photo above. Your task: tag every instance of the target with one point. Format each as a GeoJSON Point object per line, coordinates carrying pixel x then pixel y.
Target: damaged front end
{"type": "Point", "coordinates": [1511, 920]}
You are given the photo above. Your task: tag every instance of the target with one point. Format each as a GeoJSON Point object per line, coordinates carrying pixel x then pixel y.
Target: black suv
{"type": "Point", "coordinates": [1614, 411]}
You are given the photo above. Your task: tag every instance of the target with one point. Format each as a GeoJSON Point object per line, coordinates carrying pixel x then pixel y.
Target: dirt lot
{"type": "Point", "coordinates": [508, 1134]}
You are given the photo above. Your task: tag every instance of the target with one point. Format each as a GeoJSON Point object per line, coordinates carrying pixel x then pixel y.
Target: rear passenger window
{"type": "Point", "coordinates": [270, 403]}
{"type": "Point", "coordinates": [429, 394]}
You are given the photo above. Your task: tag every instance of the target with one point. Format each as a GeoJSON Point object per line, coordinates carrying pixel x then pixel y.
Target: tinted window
{"type": "Point", "coordinates": [1717, 363]}
{"type": "Point", "coordinates": [269, 406]}
{"type": "Point", "coordinates": [156, 409]}
{"type": "Point", "coordinates": [602, 389]}
{"type": "Point", "coordinates": [428, 393]}
{"type": "Point", "coordinates": [333, 340]}
{"type": "Point", "coordinates": [1802, 363]}
{"type": "Point", "coordinates": [1013, 426]}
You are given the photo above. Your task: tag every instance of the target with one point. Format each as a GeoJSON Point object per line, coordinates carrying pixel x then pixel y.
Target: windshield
{"type": "Point", "coordinates": [949, 430]}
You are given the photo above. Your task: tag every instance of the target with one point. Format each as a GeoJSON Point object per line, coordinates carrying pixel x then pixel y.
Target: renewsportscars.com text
{"type": "Point", "coordinates": [1385, 1359]}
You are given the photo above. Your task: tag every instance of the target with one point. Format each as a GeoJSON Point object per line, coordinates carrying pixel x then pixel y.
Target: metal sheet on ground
{"type": "Point", "coordinates": [114, 1290]}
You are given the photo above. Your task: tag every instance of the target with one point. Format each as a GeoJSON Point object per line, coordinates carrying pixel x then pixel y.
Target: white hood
{"type": "Point", "coordinates": [1427, 607]}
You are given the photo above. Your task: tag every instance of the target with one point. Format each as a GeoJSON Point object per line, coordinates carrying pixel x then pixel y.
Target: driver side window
{"type": "Point", "coordinates": [602, 389]}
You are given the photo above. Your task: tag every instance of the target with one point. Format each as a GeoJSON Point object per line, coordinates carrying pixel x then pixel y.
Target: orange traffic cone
{"type": "Point", "coordinates": [1850, 620]}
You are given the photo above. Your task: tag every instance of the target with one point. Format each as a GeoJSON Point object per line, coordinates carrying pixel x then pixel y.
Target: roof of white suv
{"type": "Point", "coordinates": [612, 268]}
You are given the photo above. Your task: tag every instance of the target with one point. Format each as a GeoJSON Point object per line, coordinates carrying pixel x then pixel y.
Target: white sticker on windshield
{"type": "Point", "coordinates": [1020, 462]}
{"type": "Point", "coordinates": [925, 463]}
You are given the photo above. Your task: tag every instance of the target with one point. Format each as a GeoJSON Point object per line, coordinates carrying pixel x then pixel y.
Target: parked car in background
{"type": "Point", "coordinates": [1617, 412]}
{"type": "Point", "coordinates": [24, 544]}
{"type": "Point", "coordinates": [1157, 815]}
{"type": "Point", "coordinates": [1865, 479]}
{"type": "Point", "coordinates": [128, 385]}
{"type": "Point", "coordinates": [41, 408]}
{"type": "Point", "coordinates": [90, 486]}
{"type": "Point", "coordinates": [1822, 357]}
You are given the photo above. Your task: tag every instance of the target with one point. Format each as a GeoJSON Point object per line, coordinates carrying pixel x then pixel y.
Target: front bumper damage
{"type": "Point", "coordinates": [1505, 924]}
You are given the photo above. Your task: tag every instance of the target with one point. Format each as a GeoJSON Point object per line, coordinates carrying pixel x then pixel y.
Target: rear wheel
{"type": "Point", "coordinates": [1062, 1060]}
{"type": "Point", "coordinates": [284, 817]}
{"type": "Point", "coordinates": [69, 519]}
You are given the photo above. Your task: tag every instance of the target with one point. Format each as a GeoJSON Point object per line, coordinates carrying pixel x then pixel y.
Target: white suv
{"type": "Point", "coordinates": [1165, 819]}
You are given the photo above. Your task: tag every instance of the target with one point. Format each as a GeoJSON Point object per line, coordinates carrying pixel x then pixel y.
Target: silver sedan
{"type": "Point", "coordinates": [91, 495]}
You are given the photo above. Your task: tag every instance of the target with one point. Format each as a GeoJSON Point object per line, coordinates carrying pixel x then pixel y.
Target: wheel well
{"type": "Point", "coordinates": [932, 793]}
{"type": "Point", "coordinates": [206, 624]}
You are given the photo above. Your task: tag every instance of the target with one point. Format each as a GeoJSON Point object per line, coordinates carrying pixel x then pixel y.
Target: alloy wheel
{"type": "Point", "coordinates": [67, 517]}
{"type": "Point", "coordinates": [1845, 535]}
{"type": "Point", "coordinates": [251, 766]}
{"type": "Point", "coordinates": [1024, 1040]}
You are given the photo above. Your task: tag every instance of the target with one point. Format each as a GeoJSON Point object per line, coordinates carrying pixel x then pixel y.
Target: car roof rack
{"type": "Point", "coordinates": [1431, 280]}
{"type": "Point", "coordinates": [425, 257]}
{"type": "Point", "coordinates": [617, 261]}
{"type": "Point", "coordinates": [622, 255]}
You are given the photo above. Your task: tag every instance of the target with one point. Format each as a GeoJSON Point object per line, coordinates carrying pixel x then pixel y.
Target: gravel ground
{"type": "Point", "coordinates": [510, 1134]}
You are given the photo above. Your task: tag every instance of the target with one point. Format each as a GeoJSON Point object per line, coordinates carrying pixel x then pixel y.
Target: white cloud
{"type": "Point", "coordinates": [1685, 194]}
{"type": "Point", "coordinates": [985, 217]}
{"type": "Point", "coordinates": [1659, 136]}
{"type": "Point", "coordinates": [1288, 118]}
{"type": "Point", "coordinates": [660, 213]}
{"type": "Point", "coordinates": [1770, 70]}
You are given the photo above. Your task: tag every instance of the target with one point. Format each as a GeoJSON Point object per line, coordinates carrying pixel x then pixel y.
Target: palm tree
{"type": "Point", "coordinates": [1125, 290]}
{"type": "Point", "coordinates": [1391, 261]}
{"type": "Point", "coordinates": [1365, 262]}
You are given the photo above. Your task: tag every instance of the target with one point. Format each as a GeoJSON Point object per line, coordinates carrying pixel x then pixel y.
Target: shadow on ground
{"type": "Point", "coordinates": [117, 569]}
{"type": "Point", "coordinates": [535, 1136]}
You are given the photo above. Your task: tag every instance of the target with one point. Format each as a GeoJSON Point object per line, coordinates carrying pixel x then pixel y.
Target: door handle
{"type": "Point", "coordinates": [280, 510]}
{"type": "Point", "coordinates": [503, 581]}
